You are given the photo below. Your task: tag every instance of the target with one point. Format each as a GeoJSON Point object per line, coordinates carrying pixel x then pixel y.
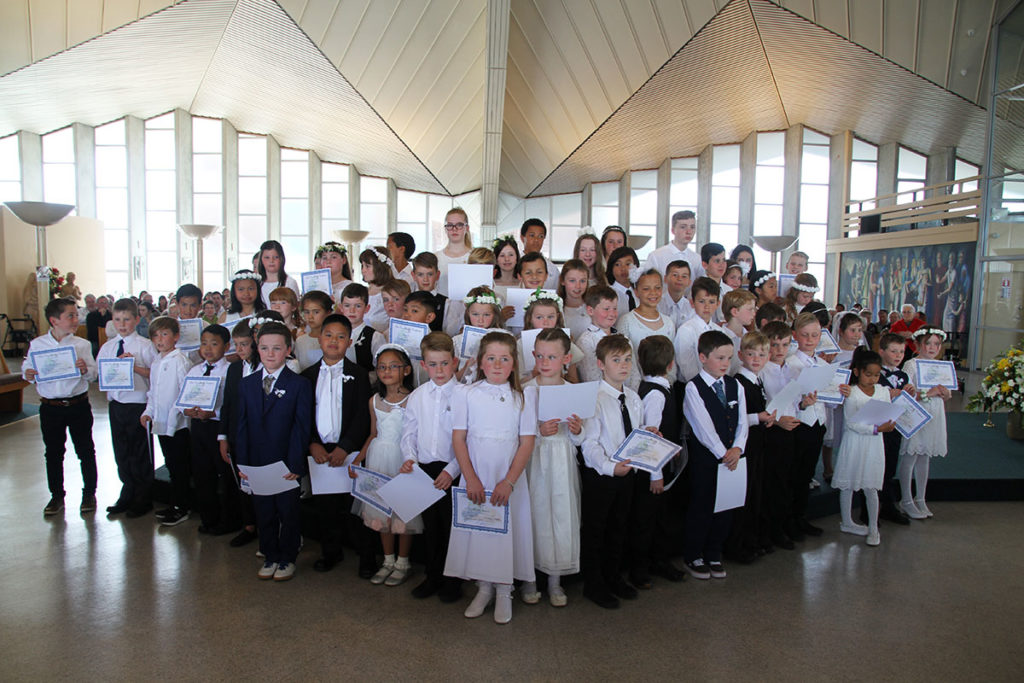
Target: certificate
{"type": "Point", "coordinates": [484, 517]}
{"type": "Point", "coordinates": [516, 298]}
{"type": "Point", "coordinates": [55, 364]}
{"type": "Point", "coordinates": [827, 343]}
{"type": "Point", "coordinates": [117, 374]}
{"type": "Point", "coordinates": [815, 378]}
{"type": "Point", "coordinates": [408, 335]}
{"type": "Point", "coordinates": [410, 494]}
{"type": "Point", "coordinates": [913, 418]}
{"type": "Point", "coordinates": [527, 340]}
{"type": "Point", "coordinates": [365, 485]}
{"type": "Point", "coordinates": [786, 399]}
{"type": "Point", "coordinates": [564, 400]}
{"type": "Point", "coordinates": [230, 326]}
{"type": "Point", "coordinates": [190, 332]}
{"type": "Point", "coordinates": [199, 392]}
{"type": "Point", "coordinates": [830, 394]}
{"type": "Point", "coordinates": [731, 491]}
{"type": "Point", "coordinates": [471, 337]}
{"type": "Point", "coordinates": [317, 280]}
{"type": "Point", "coordinates": [324, 479]}
{"type": "Point", "coordinates": [463, 277]}
{"type": "Point", "coordinates": [936, 373]}
{"type": "Point", "coordinates": [646, 451]}
{"type": "Point", "coordinates": [876, 412]}
{"type": "Point", "coordinates": [268, 480]}
{"type": "Point", "coordinates": [786, 281]}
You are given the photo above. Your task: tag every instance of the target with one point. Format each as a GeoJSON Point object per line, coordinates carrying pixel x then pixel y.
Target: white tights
{"type": "Point", "coordinates": [916, 465]}
{"type": "Point", "coordinates": [846, 507]}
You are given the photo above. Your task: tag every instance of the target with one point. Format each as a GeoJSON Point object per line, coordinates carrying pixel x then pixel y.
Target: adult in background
{"type": "Point", "coordinates": [906, 326]}
{"type": "Point", "coordinates": [95, 321]}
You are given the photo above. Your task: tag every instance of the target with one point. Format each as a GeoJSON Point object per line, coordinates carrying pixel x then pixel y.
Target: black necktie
{"type": "Point", "coordinates": [120, 348]}
{"type": "Point", "coordinates": [760, 386]}
{"type": "Point", "coordinates": [209, 368]}
{"type": "Point", "coordinates": [613, 330]}
{"type": "Point", "coordinates": [632, 301]}
{"type": "Point", "coordinates": [627, 424]}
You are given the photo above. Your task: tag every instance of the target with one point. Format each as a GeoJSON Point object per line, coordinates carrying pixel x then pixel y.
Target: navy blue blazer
{"type": "Point", "coordinates": [274, 427]}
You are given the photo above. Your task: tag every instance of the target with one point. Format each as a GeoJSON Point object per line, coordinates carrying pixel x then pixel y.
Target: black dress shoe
{"type": "Point", "coordinates": [623, 590]}
{"type": "Point", "coordinates": [783, 541]}
{"type": "Point", "coordinates": [667, 570]}
{"type": "Point", "coordinates": [809, 529]}
{"type": "Point", "coordinates": [602, 598]}
{"type": "Point", "coordinates": [367, 567]}
{"type": "Point", "coordinates": [324, 564]}
{"type": "Point", "coordinates": [117, 508]}
{"type": "Point", "coordinates": [244, 537]}
{"type": "Point", "coordinates": [640, 579]}
{"type": "Point", "coordinates": [428, 587]}
{"type": "Point", "coordinates": [137, 511]}
{"type": "Point", "coordinates": [794, 532]}
{"type": "Point", "coordinates": [451, 589]}
{"type": "Point", "coordinates": [891, 514]}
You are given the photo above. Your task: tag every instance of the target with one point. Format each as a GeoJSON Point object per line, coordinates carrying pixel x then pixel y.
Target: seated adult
{"type": "Point", "coordinates": [907, 325]}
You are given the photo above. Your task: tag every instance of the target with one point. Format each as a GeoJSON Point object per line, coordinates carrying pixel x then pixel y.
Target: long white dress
{"type": "Point", "coordinates": [385, 456]}
{"type": "Point", "coordinates": [555, 498]}
{"type": "Point", "coordinates": [861, 460]}
{"type": "Point", "coordinates": [494, 417]}
{"type": "Point", "coordinates": [930, 440]}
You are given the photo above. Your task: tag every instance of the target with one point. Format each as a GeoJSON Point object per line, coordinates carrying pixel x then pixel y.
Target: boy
{"type": "Point", "coordinates": [606, 485]}
{"type": "Point", "coordinates": [796, 263]}
{"type": "Point", "coordinates": [713, 261]}
{"type": "Point", "coordinates": [892, 347]}
{"type": "Point", "coordinates": [393, 296]}
{"type": "Point", "coordinates": [425, 273]}
{"type": "Point", "coordinates": [275, 410]}
{"type": "Point", "coordinates": [64, 405]}
{"type": "Point", "coordinates": [738, 309]}
{"type": "Point", "coordinates": [675, 302]}
{"type": "Point", "coordinates": [705, 303]}
{"type": "Point", "coordinates": [603, 309]}
{"type": "Point", "coordinates": [209, 471]}
{"type": "Point", "coordinates": [127, 435]}
{"type": "Point", "coordinates": [341, 423]}
{"type": "Point", "coordinates": [166, 376]}
{"type": "Point", "coordinates": [684, 227]}
{"type": "Point", "coordinates": [768, 313]}
{"type": "Point", "coordinates": [713, 406]}
{"type": "Point", "coordinates": [533, 271]}
{"type": "Point", "coordinates": [779, 438]}
{"type": "Point", "coordinates": [532, 233]}
{"type": "Point", "coordinates": [401, 246]}
{"type": "Point", "coordinates": [419, 308]}
{"type": "Point", "coordinates": [247, 363]}
{"type": "Point", "coordinates": [427, 442]}
{"type": "Point", "coordinates": [189, 298]}
{"type": "Point", "coordinates": [655, 501]}
{"type": "Point", "coordinates": [364, 339]}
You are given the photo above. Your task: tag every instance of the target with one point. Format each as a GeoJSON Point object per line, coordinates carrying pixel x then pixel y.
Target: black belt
{"type": "Point", "coordinates": [65, 402]}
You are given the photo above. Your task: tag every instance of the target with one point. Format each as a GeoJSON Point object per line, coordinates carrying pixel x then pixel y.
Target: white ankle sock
{"type": "Point", "coordinates": [389, 560]}
{"type": "Point", "coordinates": [554, 582]}
{"type": "Point", "coordinates": [402, 563]}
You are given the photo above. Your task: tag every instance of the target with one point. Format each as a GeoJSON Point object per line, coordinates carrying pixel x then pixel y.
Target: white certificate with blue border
{"type": "Point", "coordinates": [317, 280]}
{"type": "Point", "coordinates": [190, 332]}
{"type": "Point", "coordinates": [365, 488]}
{"type": "Point", "coordinates": [55, 364]}
{"type": "Point", "coordinates": [936, 373]}
{"type": "Point", "coordinates": [230, 326]}
{"type": "Point", "coordinates": [827, 344]}
{"type": "Point", "coordinates": [484, 517]}
{"type": "Point", "coordinates": [830, 394]}
{"type": "Point", "coordinates": [786, 281]}
{"type": "Point", "coordinates": [116, 374]}
{"type": "Point", "coordinates": [646, 450]}
{"type": "Point", "coordinates": [913, 418]}
{"type": "Point", "coordinates": [471, 337]}
{"type": "Point", "coordinates": [408, 335]}
{"type": "Point", "coordinates": [198, 392]}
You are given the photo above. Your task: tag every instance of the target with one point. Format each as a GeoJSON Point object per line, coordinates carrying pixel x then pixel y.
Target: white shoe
{"type": "Point", "coordinates": [398, 577]}
{"type": "Point", "coordinates": [854, 528]}
{"type": "Point", "coordinates": [919, 502]}
{"type": "Point", "coordinates": [503, 605]}
{"type": "Point", "coordinates": [557, 597]}
{"type": "Point", "coordinates": [873, 538]}
{"type": "Point", "coordinates": [267, 570]}
{"type": "Point", "coordinates": [285, 571]}
{"type": "Point", "coordinates": [481, 601]}
{"type": "Point", "coordinates": [910, 510]}
{"type": "Point", "coordinates": [814, 484]}
{"type": "Point", "coordinates": [382, 574]}
{"type": "Point", "coordinates": [529, 593]}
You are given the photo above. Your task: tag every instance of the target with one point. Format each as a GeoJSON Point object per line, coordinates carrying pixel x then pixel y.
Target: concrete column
{"type": "Point", "coordinates": [393, 212]}
{"type": "Point", "coordinates": [229, 152]}
{"type": "Point", "coordinates": [354, 206]}
{"type": "Point", "coordinates": [748, 179]}
{"type": "Point", "coordinates": [135, 141]}
{"type": "Point", "coordinates": [941, 168]}
{"type": "Point", "coordinates": [183, 189]}
{"type": "Point", "coordinates": [85, 169]}
{"type": "Point", "coordinates": [888, 161]}
{"type": "Point", "coordinates": [30, 156]}
{"type": "Point", "coordinates": [586, 206]}
{"type": "Point", "coordinates": [840, 156]}
{"type": "Point", "coordinates": [273, 189]}
{"type": "Point", "coordinates": [662, 233]}
{"type": "Point", "coordinates": [625, 183]}
{"type": "Point", "coordinates": [316, 202]}
{"type": "Point", "coordinates": [704, 171]}
{"type": "Point", "coordinates": [794, 151]}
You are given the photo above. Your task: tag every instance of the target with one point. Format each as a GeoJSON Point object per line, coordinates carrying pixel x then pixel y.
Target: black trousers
{"type": "Point", "coordinates": [604, 516]}
{"type": "Point", "coordinates": [807, 451]}
{"type": "Point", "coordinates": [56, 422]}
{"type": "Point", "coordinates": [779, 459]}
{"type": "Point", "coordinates": [279, 524]}
{"type": "Point", "coordinates": [176, 454]}
{"type": "Point", "coordinates": [131, 453]}
{"type": "Point", "coordinates": [706, 530]}
{"type": "Point", "coordinates": [747, 530]}
{"type": "Point", "coordinates": [239, 503]}
{"type": "Point", "coordinates": [336, 522]}
{"type": "Point", "coordinates": [653, 521]}
{"type": "Point", "coordinates": [437, 526]}
{"type": "Point", "coordinates": [212, 476]}
{"type": "Point", "coordinates": [890, 486]}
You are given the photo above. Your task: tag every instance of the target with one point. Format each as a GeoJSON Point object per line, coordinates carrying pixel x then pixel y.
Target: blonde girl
{"type": "Point", "coordinates": [645, 320]}
{"type": "Point", "coordinates": [456, 228]}
{"type": "Point", "coordinates": [284, 301]}
{"type": "Point", "coordinates": [573, 282]}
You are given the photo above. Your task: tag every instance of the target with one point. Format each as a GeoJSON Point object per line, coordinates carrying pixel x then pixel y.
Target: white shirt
{"type": "Point", "coordinates": [143, 352]}
{"type": "Point", "coordinates": [687, 359]}
{"type": "Point", "coordinates": [220, 371]}
{"type": "Point", "coordinates": [274, 375]}
{"type": "Point", "coordinates": [63, 388]}
{"type": "Point", "coordinates": [307, 351]}
{"type": "Point", "coordinates": [337, 289]}
{"type": "Point", "coordinates": [775, 377]}
{"type": "Point", "coordinates": [376, 317]}
{"type": "Point", "coordinates": [604, 433]}
{"type": "Point", "coordinates": [271, 284]}
{"type": "Point", "coordinates": [329, 392]}
{"type": "Point", "coordinates": [700, 420]}
{"type": "Point", "coordinates": [588, 370]}
{"type": "Point", "coordinates": [664, 255]}
{"type": "Point", "coordinates": [752, 418]}
{"type": "Point", "coordinates": [734, 364]}
{"type": "Point", "coordinates": [427, 429]}
{"type": "Point", "coordinates": [406, 274]}
{"type": "Point", "coordinates": [623, 293]}
{"type": "Point", "coordinates": [654, 408]}
{"type": "Point", "coordinates": [719, 316]}
{"type": "Point", "coordinates": [795, 363]}
{"type": "Point", "coordinates": [678, 311]}
{"type": "Point", "coordinates": [165, 378]}
{"type": "Point", "coordinates": [576, 319]}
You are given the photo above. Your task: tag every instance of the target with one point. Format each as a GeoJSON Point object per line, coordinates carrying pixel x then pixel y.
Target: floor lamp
{"type": "Point", "coordinates": [351, 238]}
{"type": "Point", "coordinates": [199, 232]}
{"type": "Point", "coordinates": [774, 244]}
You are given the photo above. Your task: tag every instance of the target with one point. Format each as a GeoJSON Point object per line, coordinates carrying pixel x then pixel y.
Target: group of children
{"type": "Point", "coordinates": [692, 360]}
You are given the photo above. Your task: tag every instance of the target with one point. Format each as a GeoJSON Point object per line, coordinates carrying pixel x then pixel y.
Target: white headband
{"type": "Point", "coordinates": [390, 347]}
{"type": "Point", "coordinates": [926, 331]}
{"type": "Point", "coordinates": [763, 279]}
{"type": "Point", "coordinates": [247, 276]}
{"type": "Point", "coordinates": [542, 295]}
{"type": "Point", "coordinates": [804, 288]}
{"type": "Point", "coordinates": [481, 299]}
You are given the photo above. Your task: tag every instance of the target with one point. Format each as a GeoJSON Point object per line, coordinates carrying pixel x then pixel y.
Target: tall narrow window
{"type": "Point", "coordinates": [373, 209]}
{"type": "Point", "coordinates": [643, 208]}
{"type": "Point", "coordinates": [161, 206]}
{"type": "Point", "coordinates": [814, 173]}
{"type": "Point", "coordinates": [252, 196]}
{"type": "Point", "coordinates": [911, 172]}
{"type": "Point", "coordinates": [604, 206]}
{"type": "Point", "coordinates": [863, 175]}
{"type": "Point", "coordinates": [964, 169]}
{"type": "Point", "coordinates": [564, 227]}
{"type": "Point", "coordinates": [112, 203]}
{"type": "Point", "coordinates": [208, 193]}
{"type": "Point", "coordinates": [769, 181]}
{"type": "Point", "coordinates": [59, 184]}
{"type": "Point", "coordinates": [10, 169]}
{"type": "Point", "coordinates": [725, 194]}
{"type": "Point", "coordinates": [295, 209]}
{"type": "Point", "coordinates": [334, 201]}
{"type": "Point", "coordinates": [683, 193]}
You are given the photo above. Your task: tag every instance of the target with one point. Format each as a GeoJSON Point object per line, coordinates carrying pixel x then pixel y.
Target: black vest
{"type": "Point", "coordinates": [671, 426]}
{"type": "Point", "coordinates": [897, 379]}
{"type": "Point", "coordinates": [725, 419]}
{"type": "Point", "coordinates": [437, 324]}
{"type": "Point", "coordinates": [364, 352]}
{"type": "Point", "coordinates": [753, 393]}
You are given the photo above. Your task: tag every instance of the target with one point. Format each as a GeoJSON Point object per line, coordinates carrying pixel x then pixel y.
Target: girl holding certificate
{"type": "Point", "coordinates": [544, 311]}
{"type": "Point", "coordinates": [334, 258]}
{"type": "Point", "coordinates": [483, 309]}
{"type": "Point", "coordinates": [246, 299]}
{"type": "Point", "coordinates": [929, 441]}
{"type": "Point", "coordinates": [493, 432]}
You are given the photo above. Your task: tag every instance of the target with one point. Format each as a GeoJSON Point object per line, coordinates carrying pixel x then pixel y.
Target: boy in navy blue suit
{"type": "Point", "coordinates": [275, 411]}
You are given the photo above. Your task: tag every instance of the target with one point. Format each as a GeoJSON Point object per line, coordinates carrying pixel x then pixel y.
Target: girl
{"type": "Point", "coordinates": [334, 257]}
{"type": "Point", "coordinates": [246, 298]}
{"type": "Point", "coordinates": [544, 311]}
{"type": "Point", "coordinates": [744, 257]}
{"type": "Point", "coordinates": [588, 250]}
{"type": "Point", "coordinates": [483, 309]}
{"type": "Point", "coordinates": [375, 266]}
{"type": "Point", "coordinates": [506, 261]}
{"type": "Point", "coordinates": [848, 329]}
{"type": "Point", "coordinates": [272, 316]}
{"type": "Point", "coordinates": [733, 275]}
{"type": "Point", "coordinates": [494, 429]}
{"type": "Point", "coordinates": [383, 453]}
{"type": "Point", "coordinates": [861, 461]}
{"type": "Point", "coordinates": [799, 295]}
{"type": "Point", "coordinates": [456, 227]}
{"type": "Point", "coordinates": [930, 440]}
{"type": "Point", "coordinates": [620, 264]}
{"type": "Point", "coordinates": [554, 477]}
{"type": "Point", "coordinates": [316, 306]}
{"type": "Point", "coordinates": [284, 301]}
{"type": "Point", "coordinates": [645, 320]}
{"type": "Point", "coordinates": [145, 317]}
{"type": "Point", "coordinates": [572, 284]}
{"type": "Point", "coordinates": [612, 238]}
{"type": "Point", "coordinates": [455, 311]}
{"type": "Point", "coordinates": [161, 303]}
{"type": "Point", "coordinates": [765, 286]}
{"type": "Point", "coordinates": [271, 269]}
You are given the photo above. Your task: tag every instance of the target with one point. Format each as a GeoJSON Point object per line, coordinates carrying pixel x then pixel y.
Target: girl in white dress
{"type": "Point", "coordinates": [375, 266]}
{"type": "Point", "coordinates": [271, 269]}
{"type": "Point", "coordinates": [493, 431]}
{"type": "Point", "coordinates": [315, 306]}
{"type": "Point", "coordinates": [506, 261]}
{"type": "Point", "coordinates": [554, 477]}
{"type": "Point", "coordinates": [929, 441]}
{"type": "Point", "coordinates": [847, 329]}
{"type": "Point", "coordinates": [245, 297]}
{"type": "Point", "coordinates": [460, 243]}
{"type": "Point", "coordinates": [382, 453]}
{"type": "Point", "coordinates": [483, 309]}
{"type": "Point", "coordinates": [860, 464]}
{"type": "Point", "coordinates": [544, 311]}
{"type": "Point", "coordinates": [645, 320]}
{"type": "Point", "coordinates": [334, 258]}
{"type": "Point", "coordinates": [572, 285]}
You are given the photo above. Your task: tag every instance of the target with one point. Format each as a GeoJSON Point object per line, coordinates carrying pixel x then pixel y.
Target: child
{"type": "Point", "coordinates": [779, 438]}
{"type": "Point", "coordinates": [621, 262]}
{"type": "Point", "coordinates": [456, 228]}
{"type": "Point", "coordinates": [891, 348]}
{"type": "Point", "coordinates": [316, 306]}
{"type": "Point", "coordinates": [494, 428]}
{"type": "Point", "coordinates": [425, 276]}
{"type": "Point", "coordinates": [644, 320]}
{"type": "Point", "coordinates": [455, 311]}
{"type": "Point", "coordinates": [166, 376]}
{"type": "Point", "coordinates": [241, 512]}
{"type": "Point", "coordinates": [554, 477]}
{"type": "Point", "coordinates": [612, 237]}
{"type": "Point", "coordinates": [419, 308]}
{"type": "Point", "coordinates": [797, 263]}
{"type": "Point", "coordinates": [544, 311]}
{"type": "Point", "coordinates": [714, 406]}
{"type": "Point", "coordinates": [738, 310]}
{"type": "Point", "coordinates": [275, 410]}
{"type": "Point", "coordinates": [765, 286]}
{"type": "Point", "coordinates": [334, 257]}
{"type": "Point", "coordinates": [929, 441]}
{"type": "Point", "coordinates": [800, 293]}
{"type": "Point", "coordinates": [271, 269]}
{"type": "Point", "coordinates": [127, 435]}
{"type": "Point", "coordinates": [713, 262]}
{"type": "Point", "coordinates": [365, 339]}
{"type": "Point", "coordinates": [733, 275]}
{"type": "Point", "coordinates": [483, 309]}
{"type": "Point", "coordinates": [284, 301]}
{"type": "Point", "coordinates": [246, 299]}
{"type": "Point", "coordinates": [533, 274]}
{"type": "Point", "coordinates": [572, 284]}
{"type": "Point", "coordinates": [705, 303]}
{"type": "Point", "coordinates": [767, 313]}
{"type": "Point", "coordinates": [608, 485]}
{"type": "Point", "coordinates": [684, 227]}
{"type": "Point", "coordinates": [401, 246]}
{"type": "Point", "coordinates": [848, 331]}
{"type": "Point", "coordinates": [382, 453]}
{"type": "Point", "coordinates": [427, 442]}
{"type": "Point", "coordinates": [64, 405]}
{"type": "Point", "coordinates": [860, 464]}
{"type": "Point", "coordinates": [341, 423]}
{"type": "Point", "coordinates": [603, 310]}
{"type": "Point", "coordinates": [376, 272]}
{"type": "Point", "coordinates": [189, 299]}
{"type": "Point", "coordinates": [588, 250]}
{"type": "Point", "coordinates": [209, 471]}
{"type": "Point", "coordinates": [392, 297]}
{"type": "Point", "coordinates": [506, 261]}
{"type": "Point", "coordinates": [675, 302]}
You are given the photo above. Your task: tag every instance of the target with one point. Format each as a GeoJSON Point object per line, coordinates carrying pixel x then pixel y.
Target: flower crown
{"type": "Point", "coordinates": [383, 258]}
{"type": "Point", "coordinates": [543, 295]}
{"type": "Point", "coordinates": [501, 240]}
{"type": "Point", "coordinates": [391, 347]}
{"type": "Point", "coordinates": [804, 288]}
{"type": "Point", "coordinates": [257, 321]}
{"type": "Point", "coordinates": [491, 299]}
{"type": "Point", "coordinates": [765, 278]}
{"type": "Point", "coordinates": [330, 247]}
{"type": "Point", "coordinates": [247, 275]}
{"type": "Point", "coordinates": [926, 331]}
{"type": "Point", "coordinates": [585, 230]}
{"type": "Point", "coordinates": [635, 274]}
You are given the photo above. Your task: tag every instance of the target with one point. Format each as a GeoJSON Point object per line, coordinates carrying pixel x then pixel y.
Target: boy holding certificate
{"type": "Point", "coordinates": [127, 435]}
{"type": "Point", "coordinates": [64, 403]}
{"type": "Point", "coordinates": [425, 273]}
{"type": "Point", "coordinates": [892, 347]}
{"type": "Point", "coordinates": [190, 299]}
{"type": "Point", "coordinates": [365, 339]}
{"type": "Point", "coordinates": [715, 408]}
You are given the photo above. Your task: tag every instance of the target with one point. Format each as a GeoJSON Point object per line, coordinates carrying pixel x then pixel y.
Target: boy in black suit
{"type": "Point", "coordinates": [240, 511]}
{"type": "Point", "coordinates": [892, 347]}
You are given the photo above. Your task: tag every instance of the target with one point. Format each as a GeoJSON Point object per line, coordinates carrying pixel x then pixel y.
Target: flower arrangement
{"type": "Point", "coordinates": [57, 282]}
{"type": "Point", "coordinates": [1003, 386]}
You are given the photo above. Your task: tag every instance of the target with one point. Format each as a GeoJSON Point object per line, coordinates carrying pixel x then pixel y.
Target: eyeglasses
{"type": "Point", "coordinates": [393, 367]}
{"type": "Point", "coordinates": [460, 226]}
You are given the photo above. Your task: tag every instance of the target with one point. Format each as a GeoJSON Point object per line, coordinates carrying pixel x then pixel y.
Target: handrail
{"type": "Point", "coordinates": [940, 207]}
{"type": "Point", "coordinates": [960, 181]}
